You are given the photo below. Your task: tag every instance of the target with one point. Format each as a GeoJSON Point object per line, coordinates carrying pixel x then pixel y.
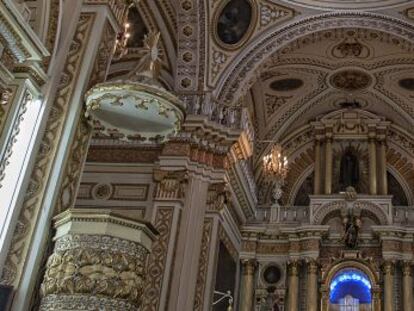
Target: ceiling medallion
{"type": "Point", "coordinates": [350, 47]}
{"type": "Point", "coordinates": [285, 85]}
{"type": "Point", "coordinates": [350, 80]}
{"type": "Point", "coordinates": [138, 108]}
{"type": "Point", "coordinates": [407, 83]}
{"type": "Point", "coordinates": [234, 22]}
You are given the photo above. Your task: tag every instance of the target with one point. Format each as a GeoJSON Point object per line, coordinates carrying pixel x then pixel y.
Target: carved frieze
{"type": "Point", "coordinates": [113, 191]}
{"type": "Point", "coordinates": [82, 264]}
{"type": "Point", "coordinates": [99, 258]}
{"type": "Point", "coordinates": [270, 248]}
{"type": "Point", "coordinates": [122, 154]}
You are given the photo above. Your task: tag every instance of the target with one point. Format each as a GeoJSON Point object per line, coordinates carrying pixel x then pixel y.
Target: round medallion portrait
{"type": "Point", "coordinates": [272, 274]}
{"type": "Point", "coordinates": [233, 21]}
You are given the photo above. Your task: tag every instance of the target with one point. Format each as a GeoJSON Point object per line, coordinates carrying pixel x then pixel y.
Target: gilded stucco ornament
{"type": "Point", "coordinates": [139, 108]}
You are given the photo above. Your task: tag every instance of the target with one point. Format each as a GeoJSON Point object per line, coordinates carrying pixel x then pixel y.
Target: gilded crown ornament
{"type": "Point", "coordinates": [138, 108]}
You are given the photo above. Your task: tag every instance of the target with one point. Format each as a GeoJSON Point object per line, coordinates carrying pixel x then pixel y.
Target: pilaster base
{"type": "Point", "coordinates": [99, 262]}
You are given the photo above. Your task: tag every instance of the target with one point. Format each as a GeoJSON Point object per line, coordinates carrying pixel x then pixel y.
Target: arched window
{"type": "Point", "coordinates": [16, 154]}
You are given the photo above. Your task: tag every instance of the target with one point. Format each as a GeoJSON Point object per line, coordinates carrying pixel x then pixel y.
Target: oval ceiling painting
{"type": "Point", "coordinates": [233, 21]}
{"type": "Point", "coordinates": [285, 85]}
{"type": "Point", "coordinates": [407, 84]}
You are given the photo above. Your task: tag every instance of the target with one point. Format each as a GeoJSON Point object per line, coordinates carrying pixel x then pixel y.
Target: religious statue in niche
{"type": "Point", "coordinates": [352, 225]}
{"type": "Point", "coordinates": [349, 170]}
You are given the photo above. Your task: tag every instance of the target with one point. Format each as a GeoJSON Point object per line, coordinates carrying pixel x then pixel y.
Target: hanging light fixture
{"type": "Point", "coordinates": [275, 166]}
{"type": "Point", "coordinates": [121, 42]}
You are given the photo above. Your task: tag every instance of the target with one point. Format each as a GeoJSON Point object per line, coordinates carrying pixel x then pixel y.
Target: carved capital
{"type": "Point", "coordinates": [293, 268]}
{"type": "Point", "coordinates": [218, 197]}
{"type": "Point", "coordinates": [313, 266]}
{"type": "Point", "coordinates": [249, 266]}
{"type": "Point", "coordinates": [170, 184]}
{"type": "Point", "coordinates": [388, 267]}
{"type": "Point", "coordinates": [407, 268]}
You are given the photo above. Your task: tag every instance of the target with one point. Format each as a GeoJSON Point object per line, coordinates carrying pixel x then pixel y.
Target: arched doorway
{"type": "Point", "coordinates": [350, 290]}
{"type": "Point", "coordinates": [350, 285]}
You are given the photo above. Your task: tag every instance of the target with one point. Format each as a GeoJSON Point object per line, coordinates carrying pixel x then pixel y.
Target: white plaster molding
{"type": "Point", "coordinates": [103, 222]}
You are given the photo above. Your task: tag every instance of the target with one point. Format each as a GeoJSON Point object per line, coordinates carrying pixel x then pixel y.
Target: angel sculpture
{"type": "Point", "coordinates": [149, 65]}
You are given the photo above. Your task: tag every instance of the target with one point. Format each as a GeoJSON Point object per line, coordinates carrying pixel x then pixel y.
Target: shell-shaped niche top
{"type": "Point", "coordinates": [138, 108]}
{"type": "Point", "coordinates": [233, 22]}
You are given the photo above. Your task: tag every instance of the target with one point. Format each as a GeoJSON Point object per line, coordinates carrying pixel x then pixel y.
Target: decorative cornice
{"type": "Point", "coordinates": [22, 41]}
{"type": "Point", "coordinates": [83, 216]}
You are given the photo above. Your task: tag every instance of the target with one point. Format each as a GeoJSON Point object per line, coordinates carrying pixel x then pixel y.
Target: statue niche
{"type": "Point", "coordinates": [349, 170]}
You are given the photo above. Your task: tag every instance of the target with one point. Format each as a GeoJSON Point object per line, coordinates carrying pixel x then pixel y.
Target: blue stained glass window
{"type": "Point", "coordinates": [350, 282]}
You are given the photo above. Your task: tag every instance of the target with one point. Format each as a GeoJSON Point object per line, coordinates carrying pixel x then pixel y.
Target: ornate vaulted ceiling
{"type": "Point", "coordinates": [329, 70]}
{"type": "Point", "coordinates": [288, 62]}
{"type": "Point", "coordinates": [347, 4]}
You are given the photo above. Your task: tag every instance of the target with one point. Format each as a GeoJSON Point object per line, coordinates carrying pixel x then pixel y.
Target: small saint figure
{"type": "Point", "coordinates": [352, 226]}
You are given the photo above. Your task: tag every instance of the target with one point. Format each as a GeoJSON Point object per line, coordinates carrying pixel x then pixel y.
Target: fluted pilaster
{"type": "Point", "coordinates": [293, 286]}
{"type": "Point", "coordinates": [312, 286]}
{"type": "Point", "coordinates": [247, 285]}
{"type": "Point", "coordinates": [388, 269]}
{"type": "Point", "coordinates": [407, 286]}
{"type": "Point", "coordinates": [328, 165]}
{"type": "Point", "coordinates": [317, 168]}
{"type": "Point", "coordinates": [372, 166]}
{"type": "Point", "coordinates": [383, 182]}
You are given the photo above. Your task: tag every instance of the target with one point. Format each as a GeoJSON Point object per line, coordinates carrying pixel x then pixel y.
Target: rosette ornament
{"type": "Point", "coordinates": [138, 108]}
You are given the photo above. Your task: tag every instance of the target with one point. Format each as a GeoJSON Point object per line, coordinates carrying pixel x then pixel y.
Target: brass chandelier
{"type": "Point", "coordinates": [275, 166]}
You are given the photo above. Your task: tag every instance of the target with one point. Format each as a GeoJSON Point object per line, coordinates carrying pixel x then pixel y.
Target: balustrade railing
{"type": "Point", "coordinates": [402, 215]}
{"type": "Point", "coordinates": [235, 117]}
{"type": "Point", "coordinates": [283, 215]}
